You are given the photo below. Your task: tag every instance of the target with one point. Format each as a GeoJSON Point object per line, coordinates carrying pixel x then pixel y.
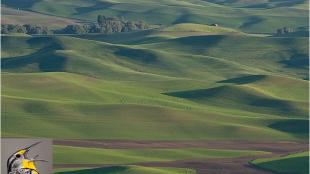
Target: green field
{"type": "Point", "coordinates": [67, 155]}
{"type": "Point", "coordinates": [294, 163]}
{"type": "Point", "coordinates": [198, 94]}
{"type": "Point", "coordinates": [181, 80]}
{"type": "Point", "coordinates": [127, 170]}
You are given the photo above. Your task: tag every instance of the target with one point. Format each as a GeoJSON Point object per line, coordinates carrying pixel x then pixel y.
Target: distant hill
{"type": "Point", "coordinates": [190, 27]}
{"type": "Point", "coordinates": [253, 17]}
{"type": "Point", "coordinates": [14, 16]}
{"type": "Point", "coordinates": [262, 3]}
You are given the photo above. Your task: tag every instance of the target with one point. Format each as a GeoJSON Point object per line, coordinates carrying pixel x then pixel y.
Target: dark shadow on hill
{"type": "Point", "coordinates": [251, 20]}
{"type": "Point", "coordinates": [276, 4]}
{"type": "Point", "coordinates": [97, 6]}
{"type": "Point", "coordinates": [281, 106]}
{"type": "Point", "coordinates": [103, 170]}
{"type": "Point", "coordinates": [23, 4]}
{"type": "Point", "coordinates": [44, 60]}
{"type": "Point", "coordinates": [262, 6]}
{"type": "Point", "coordinates": [238, 98]}
{"type": "Point", "coordinates": [297, 61]}
{"type": "Point", "coordinates": [46, 41]}
{"type": "Point", "coordinates": [200, 43]}
{"type": "Point", "coordinates": [294, 164]}
{"type": "Point", "coordinates": [128, 38]}
{"type": "Point", "coordinates": [145, 40]}
{"type": "Point", "coordinates": [35, 107]}
{"type": "Point", "coordinates": [140, 55]}
{"type": "Point", "coordinates": [222, 2]}
{"type": "Point", "coordinates": [45, 63]}
{"type": "Point", "coordinates": [195, 94]}
{"type": "Point", "coordinates": [244, 79]}
{"type": "Point", "coordinates": [183, 18]}
{"type": "Point", "coordinates": [291, 126]}
{"type": "Point", "coordinates": [258, 4]}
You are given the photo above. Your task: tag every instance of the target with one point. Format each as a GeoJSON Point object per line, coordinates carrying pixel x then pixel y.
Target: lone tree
{"type": "Point", "coordinates": [100, 19]}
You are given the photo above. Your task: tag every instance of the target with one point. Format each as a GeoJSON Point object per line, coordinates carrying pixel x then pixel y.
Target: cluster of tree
{"type": "Point", "coordinates": [284, 30]}
{"type": "Point", "coordinates": [105, 25]}
{"type": "Point", "coordinates": [114, 24]}
{"type": "Point", "coordinates": [27, 29]}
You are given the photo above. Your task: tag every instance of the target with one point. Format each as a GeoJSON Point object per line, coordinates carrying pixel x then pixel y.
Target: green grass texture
{"type": "Point", "coordinates": [294, 163]}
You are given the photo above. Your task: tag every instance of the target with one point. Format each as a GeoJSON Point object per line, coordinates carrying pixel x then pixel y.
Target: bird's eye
{"type": "Point", "coordinates": [18, 156]}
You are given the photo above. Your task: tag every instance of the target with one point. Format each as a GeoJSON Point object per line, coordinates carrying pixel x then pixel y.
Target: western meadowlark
{"type": "Point", "coordinates": [20, 163]}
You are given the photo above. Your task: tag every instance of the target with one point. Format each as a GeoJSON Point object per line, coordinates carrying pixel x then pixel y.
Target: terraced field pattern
{"type": "Point", "coordinates": [184, 97]}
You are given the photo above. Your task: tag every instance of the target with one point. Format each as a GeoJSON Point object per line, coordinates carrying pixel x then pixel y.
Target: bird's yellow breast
{"type": "Point", "coordinates": [28, 164]}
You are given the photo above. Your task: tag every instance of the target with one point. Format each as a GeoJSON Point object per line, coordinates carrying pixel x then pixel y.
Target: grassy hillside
{"type": "Point", "coordinates": [188, 83]}
{"type": "Point", "coordinates": [189, 27]}
{"type": "Point", "coordinates": [14, 16]}
{"type": "Point", "coordinates": [181, 80]}
{"type": "Point", "coordinates": [127, 170]}
{"type": "Point", "coordinates": [245, 98]}
{"type": "Point", "coordinates": [257, 17]}
{"type": "Point", "coordinates": [261, 3]}
{"type": "Point", "coordinates": [67, 155]}
{"type": "Point", "coordinates": [294, 163]}
{"type": "Point", "coordinates": [251, 53]}
{"type": "Point", "coordinates": [158, 58]}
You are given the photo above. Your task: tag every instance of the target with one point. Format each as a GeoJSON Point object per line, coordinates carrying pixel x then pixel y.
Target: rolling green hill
{"type": "Point", "coordinates": [251, 53]}
{"type": "Point", "coordinates": [245, 98]}
{"type": "Point", "coordinates": [199, 92]}
{"type": "Point", "coordinates": [184, 79]}
{"type": "Point", "coordinates": [67, 155]}
{"type": "Point", "coordinates": [14, 16]}
{"type": "Point", "coordinates": [261, 3]}
{"type": "Point", "coordinates": [189, 27]}
{"type": "Point", "coordinates": [258, 16]}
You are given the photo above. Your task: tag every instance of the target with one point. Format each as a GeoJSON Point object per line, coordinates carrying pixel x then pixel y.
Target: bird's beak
{"type": "Point", "coordinates": [27, 149]}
